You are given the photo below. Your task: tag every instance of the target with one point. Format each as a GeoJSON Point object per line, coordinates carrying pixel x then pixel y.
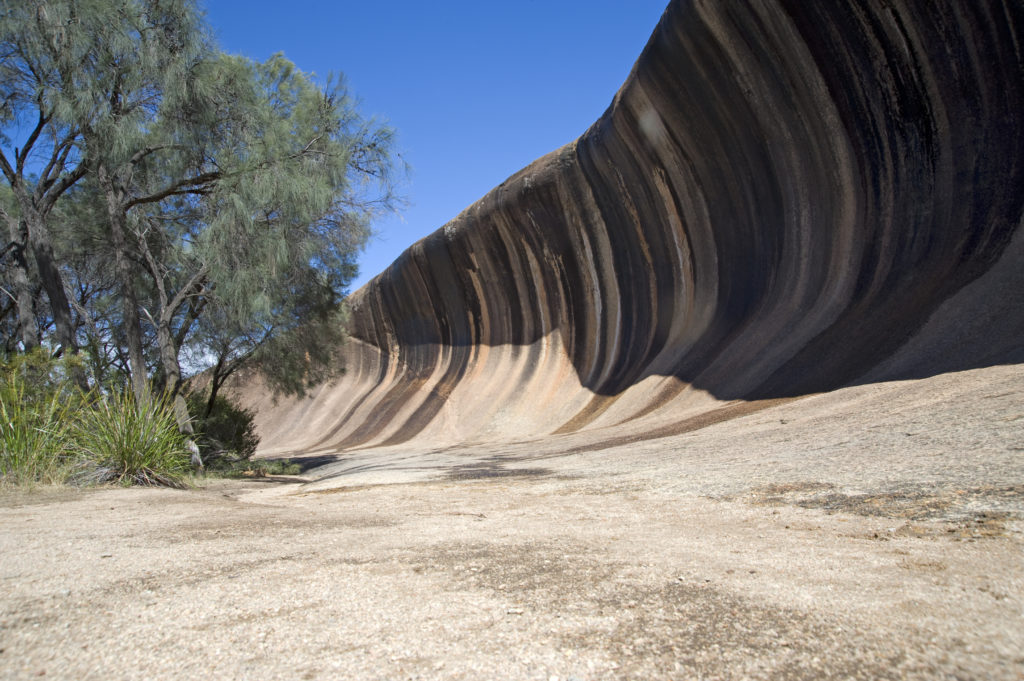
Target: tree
{"type": "Point", "coordinates": [93, 74]}
{"type": "Point", "coordinates": [18, 305]}
{"type": "Point", "coordinates": [39, 44]}
{"type": "Point", "coordinates": [219, 201]}
{"type": "Point", "coordinates": [246, 212]}
{"type": "Point", "coordinates": [280, 249]}
{"type": "Point", "coordinates": [140, 71]}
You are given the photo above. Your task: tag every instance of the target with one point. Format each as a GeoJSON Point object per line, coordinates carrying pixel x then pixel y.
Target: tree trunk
{"type": "Point", "coordinates": [23, 286]}
{"type": "Point", "coordinates": [216, 381]}
{"type": "Point", "coordinates": [132, 323]}
{"type": "Point", "coordinates": [33, 235]}
{"type": "Point", "coordinates": [50, 277]}
{"type": "Point", "coordinates": [169, 365]}
{"type": "Point", "coordinates": [172, 375]}
{"type": "Point", "coordinates": [41, 246]}
{"type": "Point", "coordinates": [219, 376]}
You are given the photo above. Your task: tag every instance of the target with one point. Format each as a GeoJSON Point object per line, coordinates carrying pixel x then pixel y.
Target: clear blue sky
{"type": "Point", "coordinates": [476, 89]}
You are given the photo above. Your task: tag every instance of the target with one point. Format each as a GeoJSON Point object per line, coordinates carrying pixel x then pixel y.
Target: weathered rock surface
{"type": "Point", "coordinates": [784, 198]}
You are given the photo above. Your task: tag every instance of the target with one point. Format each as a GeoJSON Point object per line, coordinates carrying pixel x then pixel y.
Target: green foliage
{"type": "Point", "coordinates": [225, 199]}
{"type": "Point", "coordinates": [129, 443]}
{"type": "Point", "coordinates": [42, 375]}
{"type": "Point", "coordinates": [36, 417]}
{"type": "Point", "coordinates": [286, 224]}
{"type": "Point", "coordinates": [257, 469]}
{"type": "Point", "coordinates": [227, 434]}
{"type": "Point", "coordinates": [50, 432]}
{"type": "Point", "coordinates": [278, 467]}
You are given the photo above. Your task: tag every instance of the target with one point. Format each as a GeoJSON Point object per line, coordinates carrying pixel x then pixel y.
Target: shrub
{"type": "Point", "coordinates": [227, 434]}
{"type": "Point", "coordinates": [125, 443]}
{"type": "Point", "coordinates": [41, 376]}
{"type": "Point", "coordinates": [261, 468]}
{"type": "Point", "coordinates": [35, 429]}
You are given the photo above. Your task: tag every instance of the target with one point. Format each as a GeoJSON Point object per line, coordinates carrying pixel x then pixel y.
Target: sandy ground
{"type": "Point", "coordinates": [872, 533]}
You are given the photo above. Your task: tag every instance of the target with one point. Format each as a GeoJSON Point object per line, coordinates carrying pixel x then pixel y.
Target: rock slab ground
{"type": "Point", "coordinates": [871, 533]}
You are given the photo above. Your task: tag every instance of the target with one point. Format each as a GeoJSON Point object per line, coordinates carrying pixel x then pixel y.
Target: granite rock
{"type": "Point", "coordinates": [785, 197]}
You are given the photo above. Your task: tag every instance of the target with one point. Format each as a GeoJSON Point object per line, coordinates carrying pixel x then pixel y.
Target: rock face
{"type": "Point", "coordinates": [784, 197]}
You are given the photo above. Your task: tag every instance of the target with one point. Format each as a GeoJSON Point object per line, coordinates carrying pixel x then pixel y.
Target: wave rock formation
{"type": "Point", "coordinates": [784, 198]}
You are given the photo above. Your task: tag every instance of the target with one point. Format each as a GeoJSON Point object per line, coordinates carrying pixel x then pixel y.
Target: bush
{"type": "Point", "coordinates": [35, 429]}
{"type": "Point", "coordinates": [51, 433]}
{"type": "Point", "coordinates": [227, 435]}
{"type": "Point", "coordinates": [125, 443]}
{"type": "Point", "coordinates": [260, 469]}
{"type": "Point", "coordinates": [40, 376]}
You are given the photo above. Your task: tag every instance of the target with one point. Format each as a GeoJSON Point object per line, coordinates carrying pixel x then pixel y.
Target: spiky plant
{"type": "Point", "coordinates": [35, 432]}
{"type": "Point", "coordinates": [132, 444]}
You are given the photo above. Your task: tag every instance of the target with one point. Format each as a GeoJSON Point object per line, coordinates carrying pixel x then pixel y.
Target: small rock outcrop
{"type": "Point", "coordinates": [785, 197]}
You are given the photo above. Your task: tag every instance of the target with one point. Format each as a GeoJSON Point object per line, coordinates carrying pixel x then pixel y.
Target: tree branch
{"type": "Point", "coordinates": [9, 295]}
{"type": "Point", "coordinates": [195, 185]}
{"type": "Point", "coordinates": [57, 160]}
{"type": "Point", "coordinates": [148, 316]}
{"type": "Point", "coordinates": [190, 288]}
{"type": "Point", "coordinates": [9, 247]}
{"type": "Point", "coordinates": [194, 310]}
{"type": "Point", "coordinates": [143, 153]}
{"type": "Point", "coordinates": [154, 269]}
{"type": "Point", "coordinates": [307, 147]}
{"type": "Point", "coordinates": [8, 171]}
{"type": "Point", "coordinates": [83, 311]}
{"type": "Point", "coordinates": [62, 185]}
{"type": "Point", "coordinates": [30, 142]}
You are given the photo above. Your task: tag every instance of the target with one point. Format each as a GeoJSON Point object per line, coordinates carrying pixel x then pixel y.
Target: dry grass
{"type": "Point", "coordinates": [968, 512]}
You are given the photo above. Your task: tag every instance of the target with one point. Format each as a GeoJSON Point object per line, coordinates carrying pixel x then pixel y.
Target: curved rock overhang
{"type": "Point", "coordinates": [778, 201]}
